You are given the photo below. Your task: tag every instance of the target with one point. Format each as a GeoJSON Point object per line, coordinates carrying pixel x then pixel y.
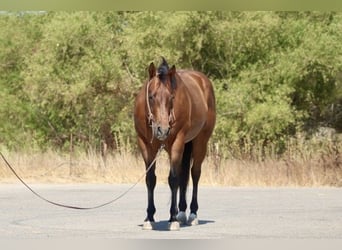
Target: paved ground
{"type": "Point", "coordinates": [231, 213]}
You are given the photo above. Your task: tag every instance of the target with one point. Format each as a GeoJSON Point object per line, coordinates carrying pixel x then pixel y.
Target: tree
{"type": "Point", "coordinates": [275, 73]}
{"type": "Point", "coordinates": [18, 35]}
{"type": "Point", "coordinates": [74, 80]}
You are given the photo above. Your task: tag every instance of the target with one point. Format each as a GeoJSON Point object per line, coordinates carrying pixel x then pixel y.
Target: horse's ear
{"type": "Point", "coordinates": [151, 70]}
{"type": "Point", "coordinates": [172, 73]}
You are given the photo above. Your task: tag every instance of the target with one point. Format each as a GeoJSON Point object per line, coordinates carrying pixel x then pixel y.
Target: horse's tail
{"type": "Point", "coordinates": [186, 161]}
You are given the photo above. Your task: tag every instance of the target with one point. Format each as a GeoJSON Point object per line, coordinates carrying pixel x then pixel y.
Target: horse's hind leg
{"type": "Point", "coordinates": [176, 155]}
{"type": "Point", "coordinates": [199, 152]}
{"type": "Point", "coordinates": [183, 182]}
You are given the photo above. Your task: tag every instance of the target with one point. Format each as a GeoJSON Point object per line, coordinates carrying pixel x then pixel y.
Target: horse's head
{"type": "Point", "coordinates": [160, 91]}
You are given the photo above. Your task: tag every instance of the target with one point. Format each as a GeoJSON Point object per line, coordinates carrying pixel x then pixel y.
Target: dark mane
{"type": "Point", "coordinates": [163, 70]}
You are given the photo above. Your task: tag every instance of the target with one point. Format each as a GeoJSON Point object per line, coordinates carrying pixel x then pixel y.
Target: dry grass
{"type": "Point", "coordinates": [306, 164]}
{"type": "Point", "coordinates": [50, 167]}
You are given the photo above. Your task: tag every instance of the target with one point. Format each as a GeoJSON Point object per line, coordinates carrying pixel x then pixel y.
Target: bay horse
{"type": "Point", "coordinates": [175, 109]}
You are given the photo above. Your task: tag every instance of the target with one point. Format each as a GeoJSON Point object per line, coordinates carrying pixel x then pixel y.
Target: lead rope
{"type": "Point", "coordinates": [76, 207]}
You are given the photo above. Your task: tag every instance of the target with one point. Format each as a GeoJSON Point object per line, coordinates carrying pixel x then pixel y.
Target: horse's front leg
{"type": "Point", "coordinates": [148, 154]}
{"type": "Point", "coordinates": [174, 178]}
{"type": "Point", "coordinates": [174, 184]}
{"type": "Point", "coordinates": [151, 209]}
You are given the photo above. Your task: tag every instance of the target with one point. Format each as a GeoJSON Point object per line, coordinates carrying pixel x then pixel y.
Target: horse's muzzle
{"type": "Point", "coordinates": [161, 133]}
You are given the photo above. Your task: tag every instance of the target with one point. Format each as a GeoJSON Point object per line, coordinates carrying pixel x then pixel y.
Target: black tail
{"type": "Point", "coordinates": [187, 155]}
{"type": "Point", "coordinates": [186, 162]}
{"type": "Point", "coordinates": [184, 177]}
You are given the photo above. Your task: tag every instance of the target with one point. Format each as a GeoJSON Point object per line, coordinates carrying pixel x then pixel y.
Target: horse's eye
{"type": "Point", "coordinates": [150, 97]}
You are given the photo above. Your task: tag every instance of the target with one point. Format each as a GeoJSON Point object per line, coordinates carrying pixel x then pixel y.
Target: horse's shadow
{"type": "Point", "coordinates": [163, 225]}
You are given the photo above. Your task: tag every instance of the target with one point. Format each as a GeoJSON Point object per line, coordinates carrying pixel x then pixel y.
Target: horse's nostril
{"type": "Point", "coordinates": [159, 130]}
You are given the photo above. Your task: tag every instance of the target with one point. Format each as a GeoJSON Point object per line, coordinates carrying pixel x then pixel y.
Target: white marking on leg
{"type": "Point", "coordinates": [193, 220]}
{"type": "Point", "coordinates": [148, 225]}
{"type": "Point", "coordinates": [174, 226]}
{"type": "Point", "coordinates": [181, 217]}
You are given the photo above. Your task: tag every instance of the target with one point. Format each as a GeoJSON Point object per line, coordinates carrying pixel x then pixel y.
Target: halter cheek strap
{"type": "Point", "coordinates": [149, 115]}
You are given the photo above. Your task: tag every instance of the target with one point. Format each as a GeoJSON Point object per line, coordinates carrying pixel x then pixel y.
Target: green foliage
{"type": "Point", "coordinates": [18, 35]}
{"type": "Point", "coordinates": [74, 80]}
{"type": "Point", "coordinates": [61, 73]}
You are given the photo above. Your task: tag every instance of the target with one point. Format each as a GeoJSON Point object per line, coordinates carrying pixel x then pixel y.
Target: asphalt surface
{"type": "Point", "coordinates": [225, 212]}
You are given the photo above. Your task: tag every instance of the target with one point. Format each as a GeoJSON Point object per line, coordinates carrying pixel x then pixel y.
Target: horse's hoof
{"type": "Point", "coordinates": [174, 226]}
{"type": "Point", "coordinates": [181, 217]}
{"type": "Point", "coordinates": [193, 220]}
{"type": "Point", "coordinates": [148, 225]}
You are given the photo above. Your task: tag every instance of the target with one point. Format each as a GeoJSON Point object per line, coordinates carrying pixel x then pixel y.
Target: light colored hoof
{"type": "Point", "coordinates": [181, 217]}
{"type": "Point", "coordinates": [148, 225]}
{"type": "Point", "coordinates": [174, 226]}
{"type": "Point", "coordinates": [193, 220]}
